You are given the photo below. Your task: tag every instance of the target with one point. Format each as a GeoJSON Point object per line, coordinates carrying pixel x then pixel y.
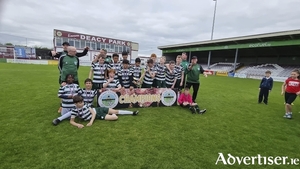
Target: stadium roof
{"type": "Point", "coordinates": [275, 36]}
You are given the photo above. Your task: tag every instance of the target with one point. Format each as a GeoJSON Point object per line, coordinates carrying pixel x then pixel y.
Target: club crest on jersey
{"type": "Point", "coordinates": [198, 68]}
{"type": "Point", "coordinates": [75, 63]}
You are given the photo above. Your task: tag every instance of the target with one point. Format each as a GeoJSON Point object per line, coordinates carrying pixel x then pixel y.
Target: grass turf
{"type": "Point", "coordinates": [165, 137]}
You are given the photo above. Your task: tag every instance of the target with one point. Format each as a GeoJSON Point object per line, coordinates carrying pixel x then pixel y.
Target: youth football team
{"type": "Point", "coordinates": [120, 75]}
{"type": "Point", "coordinates": [117, 76]}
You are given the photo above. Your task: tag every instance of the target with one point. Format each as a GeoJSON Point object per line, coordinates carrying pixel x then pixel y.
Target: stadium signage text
{"type": "Point", "coordinates": [259, 45]}
{"type": "Point", "coordinates": [60, 33]}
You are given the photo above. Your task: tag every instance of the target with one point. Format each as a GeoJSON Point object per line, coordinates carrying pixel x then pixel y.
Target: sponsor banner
{"type": "Point", "coordinates": [80, 36]}
{"type": "Point", "coordinates": [254, 77]}
{"type": "Point", "coordinates": [25, 52]}
{"type": "Point", "coordinates": [231, 74]}
{"type": "Point", "coordinates": [279, 79]}
{"type": "Point", "coordinates": [52, 62]}
{"type": "Point", "coordinates": [209, 72]}
{"type": "Point", "coordinates": [222, 73]}
{"type": "Point", "coordinates": [140, 97]}
{"type": "Point", "coordinates": [25, 61]}
{"type": "Point", "coordinates": [240, 75]}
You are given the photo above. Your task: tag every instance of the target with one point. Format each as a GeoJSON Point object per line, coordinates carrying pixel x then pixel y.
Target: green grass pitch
{"type": "Point", "coordinates": [165, 137]}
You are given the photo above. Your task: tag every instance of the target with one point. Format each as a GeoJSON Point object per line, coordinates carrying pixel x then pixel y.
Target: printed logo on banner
{"type": "Point", "coordinates": [58, 33]}
{"type": "Point", "coordinates": [168, 97]}
{"type": "Point", "coordinates": [108, 99]}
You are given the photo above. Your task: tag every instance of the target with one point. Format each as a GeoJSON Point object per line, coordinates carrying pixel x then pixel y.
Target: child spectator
{"type": "Point", "coordinates": [290, 89]}
{"type": "Point", "coordinates": [265, 87]}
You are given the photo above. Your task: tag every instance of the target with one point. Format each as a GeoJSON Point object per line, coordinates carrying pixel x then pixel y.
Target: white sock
{"type": "Point", "coordinates": [65, 116]}
{"type": "Point", "coordinates": [125, 112]}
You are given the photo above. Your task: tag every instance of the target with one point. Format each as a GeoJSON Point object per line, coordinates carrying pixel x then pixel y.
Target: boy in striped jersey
{"type": "Point", "coordinates": [124, 57]}
{"type": "Point", "coordinates": [98, 70]}
{"type": "Point", "coordinates": [88, 94]}
{"type": "Point", "coordinates": [66, 93]}
{"type": "Point", "coordinates": [115, 65]}
{"type": "Point", "coordinates": [125, 75]}
{"type": "Point", "coordinates": [160, 75]}
{"type": "Point", "coordinates": [171, 75]}
{"type": "Point", "coordinates": [180, 73]}
{"type": "Point", "coordinates": [86, 113]}
{"type": "Point", "coordinates": [154, 58]}
{"type": "Point", "coordinates": [149, 74]}
{"type": "Point", "coordinates": [111, 82]}
{"type": "Point", "coordinates": [137, 73]}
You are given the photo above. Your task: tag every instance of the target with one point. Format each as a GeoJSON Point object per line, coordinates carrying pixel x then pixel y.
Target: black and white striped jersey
{"type": "Point", "coordinates": [116, 67]}
{"type": "Point", "coordinates": [125, 77]}
{"type": "Point", "coordinates": [160, 75]}
{"type": "Point", "coordinates": [68, 90]}
{"type": "Point", "coordinates": [88, 95]}
{"type": "Point", "coordinates": [136, 71]}
{"type": "Point", "coordinates": [83, 113]}
{"type": "Point", "coordinates": [147, 78]}
{"type": "Point", "coordinates": [170, 77]}
{"type": "Point", "coordinates": [99, 72]}
{"type": "Point", "coordinates": [113, 84]}
{"type": "Point", "coordinates": [179, 69]}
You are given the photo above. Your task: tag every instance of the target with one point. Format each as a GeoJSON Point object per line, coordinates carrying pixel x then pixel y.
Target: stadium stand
{"type": "Point", "coordinates": [223, 66]}
{"type": "Point", "coordinates": [259, 70]}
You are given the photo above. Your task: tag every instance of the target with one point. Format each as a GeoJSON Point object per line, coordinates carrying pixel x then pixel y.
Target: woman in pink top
{"type": "Point", "coordinates": [185, 100]}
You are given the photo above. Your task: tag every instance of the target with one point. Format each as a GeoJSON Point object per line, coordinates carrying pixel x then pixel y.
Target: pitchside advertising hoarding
{"type": "Point", "coordinates": [139, 97]}
{"type": "Point", "coordinates": [24, 52]}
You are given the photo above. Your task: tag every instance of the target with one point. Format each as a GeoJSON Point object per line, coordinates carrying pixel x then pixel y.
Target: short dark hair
{"type": "Point", "coordinates": [66, 43]}
{"type": "Point", "coordinates": [171, 62]}
{"type": "Point", "coordinates": [124, 53]}
{"type": "Point", "coordinates": [69, 75]}
{"type": "Point", "coordinates": [125, 61]}
{"type": "Point", "coordinates": [88, 80]}
{"type": "Point", "coordinates": [137, 60]}
{"type": "Point", "coordinates": [104, 50]}
{"type": "Point", "coordinates": [268, 71]}
{"type": "Point", "coordinates": [150, 61]}
{"type": "Point", "coordinates": [115, 55]}
{"type": "Point", "coordinates": [77, 99]}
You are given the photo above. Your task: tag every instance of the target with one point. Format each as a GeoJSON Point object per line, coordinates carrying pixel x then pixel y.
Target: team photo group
{"type": "Point", "coordinates": [118, 75]}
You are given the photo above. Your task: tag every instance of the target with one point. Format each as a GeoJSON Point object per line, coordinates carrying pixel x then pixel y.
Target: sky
{"type": "Point", "coordinates": [151, 23]}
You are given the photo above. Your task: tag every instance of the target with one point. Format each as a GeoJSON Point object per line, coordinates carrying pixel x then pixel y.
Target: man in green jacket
{"type": "Point", "coordinates": [69, 64]}
{"type": "Point", "coordinates": [193, 72]}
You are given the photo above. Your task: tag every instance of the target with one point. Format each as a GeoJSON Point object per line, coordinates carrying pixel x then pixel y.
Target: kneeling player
{"type": "Point", "coordinates": [86, 113]}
